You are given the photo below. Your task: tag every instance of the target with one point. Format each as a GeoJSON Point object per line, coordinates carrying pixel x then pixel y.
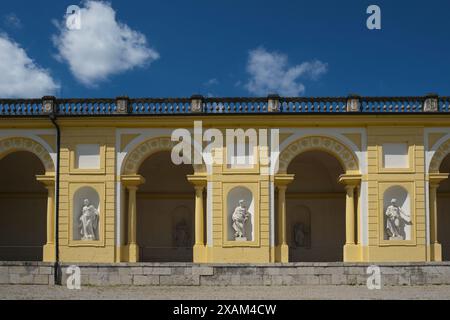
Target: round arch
{"type": "Point", "coordinates": [343, 154]}
{"type": "Point", "coordinates": [10, 145]}
{"type": "Point", "coordinates": [439, 156]}
{"type": "Point", "coordinates": [144, 150]}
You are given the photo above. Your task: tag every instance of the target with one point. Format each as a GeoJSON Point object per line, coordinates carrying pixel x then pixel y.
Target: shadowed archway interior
{"type": "Point", "coordinates": [23, 208]}
{"type": "Point", "coordinates": [443, 210]}
{"type": "Point", "coordinates": [165, 211]}
{"type": "Point", "coordinates": [315, 208]}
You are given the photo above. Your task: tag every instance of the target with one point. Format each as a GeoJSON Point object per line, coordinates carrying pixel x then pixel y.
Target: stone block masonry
{"type": "Point", "coordinates": [35, 273]}
{"type": "Point", "coordinates": [188, 274]}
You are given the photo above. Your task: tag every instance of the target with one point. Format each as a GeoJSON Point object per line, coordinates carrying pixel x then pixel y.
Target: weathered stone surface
{"type": "Point", "coordinates": [40, 279]}
{"type": "Point", "coordinates": [312, 279]}
{"type": "Point", "coordinates": [325, 279]}
{"type": "Point", "coordinates": [251, 280]}
{"type": "Point", "coordinates": [228, 275]}
{"type": "Point", "coordinates": [158, 271]}
{"type": "Point", "coordinates": [215, 280]}
{"type": "Point", "coordinates": [176, 280]}
{"type": "Point", "coordinates": [24, 269]}
{"type": "Point", "coordinates": [16, 278]}
{"type": "Point", "coordinates": [4, 277]}
{"type": "Point", "coordinates": [338, 279]}
{"type": "Point", "coordinates": [202, 271]}
{"type": "Point", "coordinates": [46, 270]}
{"type": "Point", "coordinates": [140, 280]}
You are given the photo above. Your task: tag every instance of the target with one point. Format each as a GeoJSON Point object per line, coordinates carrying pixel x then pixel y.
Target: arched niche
{"type": "Point", "coordinates": [234, 197]}
{"type": "Point", "coordinates": [182, 227]}
{"type": "Point", "coordinates": [299, 235]}
{"type": "Point", "coordinates": [91, 208]}
{"type": "Point", "coordinates": [397, 215]}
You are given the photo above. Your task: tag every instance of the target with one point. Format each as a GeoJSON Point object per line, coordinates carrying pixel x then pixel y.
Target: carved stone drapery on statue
{"type": "Point", "coordinates": [89, 221]}
{"type": "Point", "coordinates": [396, 220]}
{"type": "Point", "coordinates": [240, 217]}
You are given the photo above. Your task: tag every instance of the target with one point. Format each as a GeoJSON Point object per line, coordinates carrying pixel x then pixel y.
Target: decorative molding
{"type": "Point", "coordinates": [336, 148]}
{"type": "Point", "coordinates": [197, 104]}
{"type": "Point", "coordinates": [431, 104]}
{"type": "Point", "coordinates": [439, 156]}
{"type": "Point", "coordinates": [143, 151]}
{"type": "Point", "coordinates": [353, 104]}
{"type": "Point", "coordinates": [10, 145]}
{"type": "Point", "coordinates": [273, 103]}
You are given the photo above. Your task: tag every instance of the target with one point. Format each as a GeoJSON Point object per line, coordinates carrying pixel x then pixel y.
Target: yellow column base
{"type": "Point", "coordinates": [352, 253]}
{"type": "Point", "coordinates": [282, 253]}
{"type": "Point", "coordinates": [131, 253]}
{"type": "Point", "coordinates": [49, 253]}
{"type": "Point", "coordinates": [200, 254]}
{"type": "Point", "coordinates": [436, 252]}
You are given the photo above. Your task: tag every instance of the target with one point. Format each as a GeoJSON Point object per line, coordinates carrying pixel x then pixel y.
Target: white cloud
{"type": "Point", "coordinates": [20, 76]}
{"type": "Point", "coordinates": [12, 20]}
{"type": "Point", "coordinates": [211, 82]}
{"type": "Point", "coordinates": [103, 46]}
{"type": "Point", "coordinates": [270, 73]}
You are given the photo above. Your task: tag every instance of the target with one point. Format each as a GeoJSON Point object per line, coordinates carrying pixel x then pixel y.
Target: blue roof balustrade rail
{"type": "Point", "coordinates": [160, 106]}
{"type": "Point", "coordinates": [392, 104]}
{"type": "Point", "coordinates": [313, 105]}
{"type": "Point", "coordinates": [198, 105]}
{"type": "Point", "coordinates": [235, 105]}
{"type": "Point", "coordinates": [83, 107]}
{"type": "Point", "coordinates": [444, 104]}
{"type": "Point", "coordinates": [20, 107]}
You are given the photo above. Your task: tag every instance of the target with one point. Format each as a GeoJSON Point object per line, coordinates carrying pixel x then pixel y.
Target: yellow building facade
{"type": "Point", "coordinates": [353, 179]}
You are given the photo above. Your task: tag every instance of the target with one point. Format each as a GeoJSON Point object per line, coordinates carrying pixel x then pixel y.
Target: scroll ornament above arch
{"type": "Point", "coordinates": [439, 156]}
{"type": "Point", "coordinates": [144, 150]}
{"type": "Point", "coordinates": [10, 145]}
{"type": "Point", "coordinates": [345, 156]}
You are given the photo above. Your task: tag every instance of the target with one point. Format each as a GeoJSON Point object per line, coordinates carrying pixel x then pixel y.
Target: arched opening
{"type": "Point", "coordinates": [165, 211]}
{"type": "Point", "coordinates": [315, 222]}
{"type": "Point", "coordinates": [23, 208]}
{"type": "Point", "coordinates": [443, 210]}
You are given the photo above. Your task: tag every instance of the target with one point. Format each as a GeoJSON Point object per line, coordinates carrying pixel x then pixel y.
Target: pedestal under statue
{"type": "Point", "coordinates": [88, 221]}
{"type": "Point", "coordinates": [240, 217]}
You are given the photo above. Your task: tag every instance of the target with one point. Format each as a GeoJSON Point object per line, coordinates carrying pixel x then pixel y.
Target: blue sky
{"type": "Point", "coordinates": [227, 48]}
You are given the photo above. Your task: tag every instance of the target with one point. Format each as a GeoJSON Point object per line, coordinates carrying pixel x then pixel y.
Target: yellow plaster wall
{"type": "Point", "coordinates": [71, 179]}
{"type": "Point", "coordinates": [412, 179]}
{"type": "Point", "coordinates": [223, 180]}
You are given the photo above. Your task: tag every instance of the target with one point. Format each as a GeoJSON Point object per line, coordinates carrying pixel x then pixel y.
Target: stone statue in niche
{"type": "Point", "coordinates": [299, 235]}
{"type": "Point", "coordinates": [396, 220]}
{"type": "Point", "coordinates": [88, 221]}
{"type": "Point", "coordinates": [240, 217]}
{"type": "Point", "coordinates": [182, 236]}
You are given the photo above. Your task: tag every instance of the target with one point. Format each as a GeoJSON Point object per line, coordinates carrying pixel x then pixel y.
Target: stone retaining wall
{"type": "Point", "coordinates": [188, 274]}
{"type": "Point", "coordinates": [27, 273]}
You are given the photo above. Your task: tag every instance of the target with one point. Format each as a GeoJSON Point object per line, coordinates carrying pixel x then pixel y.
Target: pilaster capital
{"type": "Point", "coordinates": [350, 180]}
{"type": "Point", "coordinates": [198, 181]}
{"type": "Point", "coordinates": [132, 181]}
{"type": "Point", "coordinates": [283, 180]}
{"type": "Point", "coordinates": [47, 180]}
{"type": "Point", "coordinates": [436, 178]}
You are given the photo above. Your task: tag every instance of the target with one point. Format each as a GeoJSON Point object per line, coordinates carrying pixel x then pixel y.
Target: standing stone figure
{"type": "Point", "coordinates": [182, 236]}
{"type": "Point", "coordinates": [89, 221]}
{"type": "Point", "coordinates": [396, 220]}
{"type": "Point", "coordinates": [299, 235]}
{"type": "Point", "coordinates": [240, 217]}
